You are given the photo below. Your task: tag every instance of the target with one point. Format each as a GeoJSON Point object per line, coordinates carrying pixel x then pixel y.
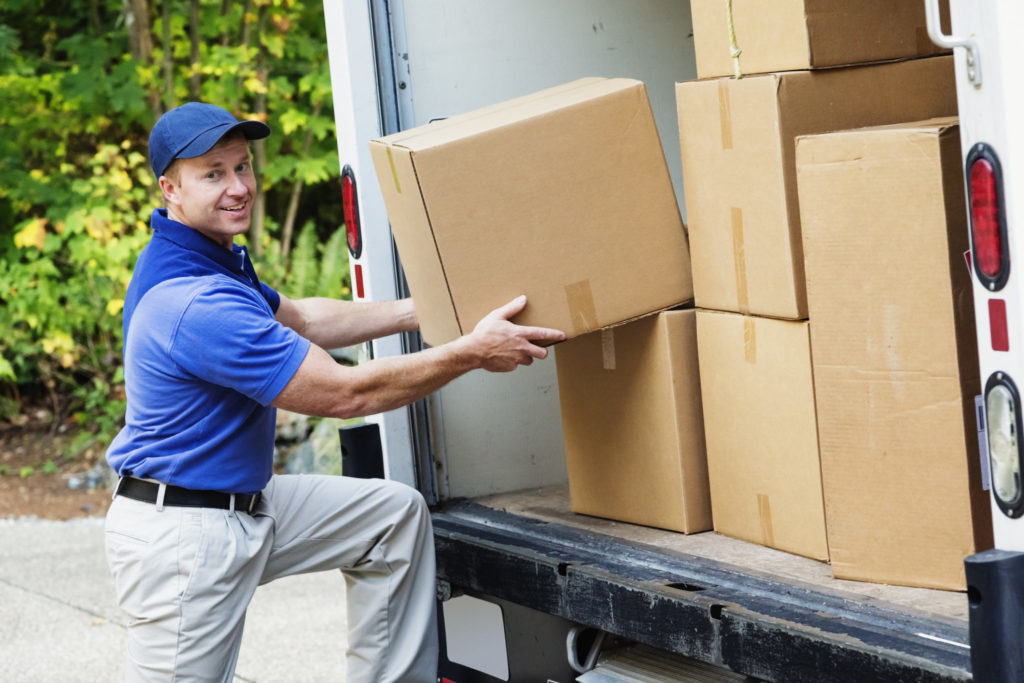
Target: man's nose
{"type": "Point", "coordinates": [236, 185]}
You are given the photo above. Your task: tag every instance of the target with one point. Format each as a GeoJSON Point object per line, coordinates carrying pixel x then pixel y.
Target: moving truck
{"type": "Point", "coordinates": [530, 590]}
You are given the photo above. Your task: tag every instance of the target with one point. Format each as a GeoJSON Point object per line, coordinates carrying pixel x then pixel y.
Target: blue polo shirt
{"type": "Point", "coordinates": [203, 359]}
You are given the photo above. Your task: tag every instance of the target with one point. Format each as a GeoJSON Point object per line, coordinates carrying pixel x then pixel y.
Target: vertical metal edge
{"type": "Point", "coordinates": [387, 19]}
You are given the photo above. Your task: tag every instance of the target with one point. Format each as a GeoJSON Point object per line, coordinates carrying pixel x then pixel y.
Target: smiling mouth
{"type": "Point", "coordinates": [235, 209]}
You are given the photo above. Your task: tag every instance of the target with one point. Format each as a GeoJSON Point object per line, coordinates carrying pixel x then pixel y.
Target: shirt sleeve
{"type": "Point", "coordinates": [227, 336]}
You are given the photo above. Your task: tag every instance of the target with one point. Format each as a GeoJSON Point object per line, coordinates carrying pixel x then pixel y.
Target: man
{"type": "Point", "coordinates": [198, 519]}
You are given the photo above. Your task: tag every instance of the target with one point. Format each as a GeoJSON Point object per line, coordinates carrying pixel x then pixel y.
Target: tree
{"type": "Point", "coordinates": [81, 84]}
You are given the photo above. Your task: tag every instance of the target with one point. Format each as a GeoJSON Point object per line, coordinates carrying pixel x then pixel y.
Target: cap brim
{"type": "Point", "coordinates": [204, 142]}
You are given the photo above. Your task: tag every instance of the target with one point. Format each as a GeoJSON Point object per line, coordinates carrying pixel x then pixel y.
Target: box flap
{"type": "Point", "coordinates": [414, 237]}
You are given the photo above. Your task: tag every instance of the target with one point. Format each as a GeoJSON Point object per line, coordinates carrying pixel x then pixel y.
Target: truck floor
{"type": "Point", "coordinates": [736, 605]}
{"type": "Point", "coordinates": [551, 504]}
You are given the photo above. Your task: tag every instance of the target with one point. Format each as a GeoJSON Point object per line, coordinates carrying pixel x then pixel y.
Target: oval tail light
{"type": "Point", "coordinates": [350, 204]}
{"type": "Point", "coordinates": [1003, 426]}
{"type": "Point", "coordinates": [988, 217]}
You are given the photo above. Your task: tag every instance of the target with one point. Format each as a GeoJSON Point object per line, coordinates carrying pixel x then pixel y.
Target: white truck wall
{"type": "Point", "coordinates": [988, 113]}
{"type": "Point", "coordinates": [494, 433]}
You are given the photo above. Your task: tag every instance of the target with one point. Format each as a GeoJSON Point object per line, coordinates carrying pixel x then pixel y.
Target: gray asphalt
{"type": "Point", "coordinates": [59, 621]}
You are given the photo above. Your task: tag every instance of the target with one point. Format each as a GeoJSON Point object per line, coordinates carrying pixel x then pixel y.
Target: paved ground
{"type": "Point", "coordinates": [58, 620]}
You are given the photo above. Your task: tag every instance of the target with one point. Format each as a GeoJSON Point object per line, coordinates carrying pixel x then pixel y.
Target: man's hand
{"type": "Point", "coordinates": [501, 345]}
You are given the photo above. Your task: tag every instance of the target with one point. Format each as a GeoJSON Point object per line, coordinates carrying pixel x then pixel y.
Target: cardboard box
{"type": "Point", "coordinates": [631, 415]}
{"type": "Point", "coordinates": [895, 352]}
{"type": "Point", "coordinates": [739, 168]}
{"type": "Point", "coordinates": [761, 436]}
{"type": "Point", "coordinates": [563, 195]}
{"type": "Point", "coordinates": [784, 35]}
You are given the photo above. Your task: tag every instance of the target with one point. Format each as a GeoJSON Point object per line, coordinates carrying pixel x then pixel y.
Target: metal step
{"type": "Point", "coordinates": [641, 664]}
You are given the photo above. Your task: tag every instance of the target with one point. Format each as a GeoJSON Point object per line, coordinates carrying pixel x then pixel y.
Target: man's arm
{"type": "Point", "coordinates": [332, 324]}
{"type": "Point", "coordinates": [324, 388]}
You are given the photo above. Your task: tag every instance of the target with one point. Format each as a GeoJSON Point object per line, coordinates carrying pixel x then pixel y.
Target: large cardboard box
{"type": "Point", "coordinates": [563, 195]}
{"type": "Point", "coordinates": [631, 415]}
{"type": "Point", "coordinates": [784, 35]}
{"type": "Point", "coordinates": [739, 167]}
{"type": "Point", "coordinates": [894, 352]}
{"type": "Point", "coordinates": [762, 439]}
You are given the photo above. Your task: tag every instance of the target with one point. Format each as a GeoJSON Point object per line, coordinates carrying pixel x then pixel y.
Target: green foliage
{"type": "Point", "coordinates": [78, 95]}
{"type": "Point", "coordinates": [314, 267]}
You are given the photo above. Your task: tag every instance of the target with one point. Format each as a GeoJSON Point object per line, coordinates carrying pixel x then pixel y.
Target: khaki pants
{"type": "Point", "coordinates": [185, 576]}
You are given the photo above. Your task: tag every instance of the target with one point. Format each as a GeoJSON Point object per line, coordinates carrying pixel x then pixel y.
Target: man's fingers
{"type": "Point", "coordinates": [511, 308]}
{"type": "Point", "coordinates": [542, 334]}
{"type": "Point", "coordinates": [506, 344]}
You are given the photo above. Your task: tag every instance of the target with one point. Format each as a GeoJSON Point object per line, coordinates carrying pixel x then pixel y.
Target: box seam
{"type": "Point", "coordinates": [433, 238]}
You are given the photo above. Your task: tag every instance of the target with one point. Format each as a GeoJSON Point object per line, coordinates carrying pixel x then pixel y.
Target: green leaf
{"type": "Point", "coordinates": [292, 120]}
{"type": "Point", "coordinates": [7, 370]}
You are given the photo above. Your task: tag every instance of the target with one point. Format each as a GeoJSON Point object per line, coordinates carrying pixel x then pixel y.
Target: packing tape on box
{"type": "Point", "coordinates": [739, 257]}
{"type": "Point", "coordinates": [725, 113]}
{"type": "Point", "coordinates": [581, 307]}
{"type": "Point", "coordinates": [749, 340]}
{"type": "Point", "coordinates": [608, 349]}
{"type": "Point", "coordinates": [394, 171]}
{"type": "Point", "coordinates": [764, 512]}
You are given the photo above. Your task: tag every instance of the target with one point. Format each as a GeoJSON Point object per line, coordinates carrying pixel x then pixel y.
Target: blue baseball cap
{"type": "Point", "coordinates": [192, 130]}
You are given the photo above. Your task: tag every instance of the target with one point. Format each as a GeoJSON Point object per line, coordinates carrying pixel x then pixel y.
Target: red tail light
{"type": "Point", "coordinates": [988, 221]}
{"type": "Point", "coordinates": [350, 205]}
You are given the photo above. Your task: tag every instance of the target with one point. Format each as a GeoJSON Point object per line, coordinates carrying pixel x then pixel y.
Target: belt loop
{"type": "Point", "coordinates": [117, 488]}
{"type": "Point", "coordinates": [231, 504]}
{"type": "Point", "coordinates": [160, 493]}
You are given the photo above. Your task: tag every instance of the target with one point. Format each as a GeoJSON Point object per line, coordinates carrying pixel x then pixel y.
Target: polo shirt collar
{"type": "Point", "coordinates": [236, 260]}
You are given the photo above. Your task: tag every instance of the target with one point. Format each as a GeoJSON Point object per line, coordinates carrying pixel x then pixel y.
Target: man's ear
{"type": "Point", "coordinates": [169, 189]}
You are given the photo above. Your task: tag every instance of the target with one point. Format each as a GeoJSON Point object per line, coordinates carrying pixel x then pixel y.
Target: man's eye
{"type": "Point", "coordinates": [242, 167]}
{"type": "Point", "coordinates": [212, 175]}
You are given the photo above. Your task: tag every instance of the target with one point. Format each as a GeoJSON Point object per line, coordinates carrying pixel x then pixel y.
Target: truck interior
{"type": "Point", "coordinates": [491, 456]}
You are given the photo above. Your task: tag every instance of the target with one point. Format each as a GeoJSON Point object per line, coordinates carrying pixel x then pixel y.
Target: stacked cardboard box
{"type": "Point", "coordinates": [631, 415]}
{"type": "Point", "coordinates": [787, 35]}
{"type": "Point", "coordinates": [895, 351]}
{"type": "Point", "coordinates": [738, 139]}
{"type": "Point", "coordinates": [761, 440]}
{"type": "Point", "coordinates": [738, 142]}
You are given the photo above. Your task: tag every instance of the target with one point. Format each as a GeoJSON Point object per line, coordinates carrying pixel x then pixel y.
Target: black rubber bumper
{"type": "Point", "coordinates": [995, 589]}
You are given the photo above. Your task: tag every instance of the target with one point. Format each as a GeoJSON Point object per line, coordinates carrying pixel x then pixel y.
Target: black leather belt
{"type": "Point", "coordinates": [175, 496]}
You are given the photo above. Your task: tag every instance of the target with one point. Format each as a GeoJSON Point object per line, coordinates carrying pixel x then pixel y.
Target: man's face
{"type": "Point", "coordinates": [213, 193]}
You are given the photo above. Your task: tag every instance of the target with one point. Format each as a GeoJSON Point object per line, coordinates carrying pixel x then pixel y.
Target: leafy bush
{"type": "Point", "coordinates": [81, 84]}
